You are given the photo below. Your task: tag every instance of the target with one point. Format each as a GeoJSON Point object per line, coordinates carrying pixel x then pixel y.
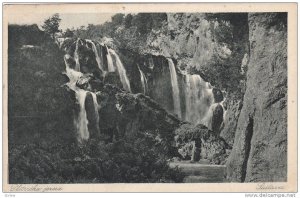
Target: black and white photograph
{"type": "Point", "coordinates": [126, 97]}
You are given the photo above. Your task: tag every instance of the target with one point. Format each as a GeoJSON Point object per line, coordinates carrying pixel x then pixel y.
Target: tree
{"type": "Point", "coordinates": [51, 25]}
{"type": "Point", "coordinates": [117, 19]}
{"type": "Point", "coordinates": [143, 22]}
{"type": "Point", "coordinates": [128, 20]}
{"type": "Point", "coordinates": [69, 33]}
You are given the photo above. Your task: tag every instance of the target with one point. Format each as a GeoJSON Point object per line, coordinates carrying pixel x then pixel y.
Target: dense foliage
{"type": "Point", "coordinates": [128, 31]}
{"type": "Point", "coordinates": [135, 160]}
{"type": "Point", "coordinates": [19, 35]}
{"type": "Point", "coordinates": [38, 105]}
{"type": "Point", "coordinates": [230, 31]}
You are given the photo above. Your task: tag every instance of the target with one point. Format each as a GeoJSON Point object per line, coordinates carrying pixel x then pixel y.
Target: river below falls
{"type": "Point", "coordinates": [201, 173]}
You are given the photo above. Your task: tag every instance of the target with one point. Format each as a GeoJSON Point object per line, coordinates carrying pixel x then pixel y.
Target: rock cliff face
{"type": "Point", "coordinates": [200, 43]}
{"type": "Point", "coordinates": [188, 39]}
{"type": "Point", "coordinates": [260, 146]}
{"type": "Point", "coordinates": [230, 120]}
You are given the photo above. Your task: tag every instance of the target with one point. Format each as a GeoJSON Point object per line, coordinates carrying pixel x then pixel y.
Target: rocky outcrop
{"type": "Point", "coordinates": [217, 119]}
{"type": "Point", "coordinates": [218, 95]}
{"type": "Point", "coordinates": [123, 114]}
{"type": "Point", "coordinates": [230, 120]}
{"type": "Point", "coordinates": [260, 147]}
{"type": "Point", "coordinates": [188, 40]}
{"type": "Point", "coordinates": [198, 142]}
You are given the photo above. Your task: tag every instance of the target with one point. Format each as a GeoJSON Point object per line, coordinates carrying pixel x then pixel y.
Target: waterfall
{"type": "Point", "coordinates": [225, 111]}
{"type": "Point", "coordinates": [199, 99]}
{"type": "Point", "coordinates": [96, 111]}
{"type": "Point", "coordinates": [76, 56]}
{"type": "Point", "coordinates": [121, 70]}
{"type": "Point", "coordinates": [110, 64]}
{"type": "Point", "coordinates": [143, 80]}
{"type": "Point", "coordinates": [81, 121]}
{"type": "Point", "coordinates": [96, 54]}
{"type": "Point", "coordinates": [175, 88]}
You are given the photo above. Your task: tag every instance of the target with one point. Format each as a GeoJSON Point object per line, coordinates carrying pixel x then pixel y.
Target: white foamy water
{"type": "Point", "coordinates": [96, 54]}
{"type": "Point", "coordinates": [121, 70]}
{"type": "Point", "coordinates": [175, 88]}
{"type": "Point", "coordinates": [143, 80]}
{"type": "Point", "coordinates": [81, 121]}
{"type": "Point", "coordinates": [76, 56]}
{"type": "Point", "coordinates": [199, 99]}
{"type": "Point", "coordinates": [110, 65]}
{"type": "Point", "coordinates": [96, 111]}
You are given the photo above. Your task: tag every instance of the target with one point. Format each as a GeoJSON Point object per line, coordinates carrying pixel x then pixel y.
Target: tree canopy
{"type": "Point", "coordinates": [51, 25]}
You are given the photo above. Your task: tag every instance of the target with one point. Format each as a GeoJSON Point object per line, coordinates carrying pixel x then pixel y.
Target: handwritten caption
{"type": "Point", "coordinates": [264, 186]}
{"type": "Point", "coordinates": [35, 188]}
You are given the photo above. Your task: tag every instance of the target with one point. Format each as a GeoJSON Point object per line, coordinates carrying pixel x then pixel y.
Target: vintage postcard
{"type": "Point", "coordinates": [150, 97]}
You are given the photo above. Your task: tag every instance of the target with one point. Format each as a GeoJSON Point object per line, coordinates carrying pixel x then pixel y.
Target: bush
{"type": "Point", "coordinates": [135, 160]}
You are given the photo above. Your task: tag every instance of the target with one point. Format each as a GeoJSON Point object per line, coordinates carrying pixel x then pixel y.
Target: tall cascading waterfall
{"type": "Point", "coordinates": [143, 80]}
{"type": "Point", "coordinates": [198, 96]}
{"type": "Point", "coordinates": [81, 121]}
{"type": "Point", "coordinates": [199, 99]}
{"type": "Point", "coordinates": [121, 70]}
{"type": "Point", "coordinates": [110, 64]}
{"type": "Point", "coordinates": [175, 88]}
{"type": "Point", "coordinates": [96, 110]}
{"type": "Point", "coordinates": [96, 54]}
{"type": "Point", "coordinates": [76, 56]}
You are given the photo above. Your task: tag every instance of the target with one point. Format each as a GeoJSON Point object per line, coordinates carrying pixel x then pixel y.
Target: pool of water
{"type": "Point", "coordinates": [201, 173]}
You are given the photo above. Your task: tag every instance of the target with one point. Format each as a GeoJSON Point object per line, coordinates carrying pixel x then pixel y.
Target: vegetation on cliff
{"type": "Point", "coordinates": [42, 139]}
{"type": "Point", "coordinates": [134, 160]}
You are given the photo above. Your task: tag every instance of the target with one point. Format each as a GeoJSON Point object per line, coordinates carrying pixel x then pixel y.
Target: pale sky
{"type": "Point", "coordinates": [67, 20]}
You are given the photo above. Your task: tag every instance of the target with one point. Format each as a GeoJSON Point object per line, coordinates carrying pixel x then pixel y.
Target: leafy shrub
{"type": "Point", "coordinates": [135, 160]}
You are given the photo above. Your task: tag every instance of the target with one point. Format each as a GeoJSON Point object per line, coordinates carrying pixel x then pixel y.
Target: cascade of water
{"type": "Point", "coordinates": [175, 88]}
{"type": "Point", "coordinates": [96, 54]}
{"type": "Point", "coordinates": [143, 80]}
{"type": "Point", "coordinates": [225, 111]}
{"type": "Point", "coordinates": [110, 64]}
{"type": "Point", "coordinates": [76, 56]}
{"type": "Point", "coordinates": [82, 121]}
{"type": "Point", "coordinates": [198, 98]}
{"type": "Point", "coordinates": [121, 70]}
{"type": "Point", "coordinates": [96, 111]}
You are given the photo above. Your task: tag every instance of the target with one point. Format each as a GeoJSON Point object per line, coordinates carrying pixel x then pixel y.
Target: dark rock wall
{"type": "Point", "coordinates": [156, 70]}
{"type": "Point", "coordinates": [160, 83]}
{"type": "Point", "coordinates": [260, 146]}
